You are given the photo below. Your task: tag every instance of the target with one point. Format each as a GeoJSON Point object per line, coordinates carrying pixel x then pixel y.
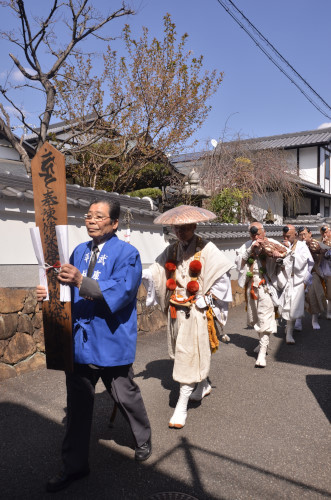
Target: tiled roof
{"type": "Point", "coordinates": [308, 138]}
{"type": "Point", "coordinates": [283, 141]}
{"type": "Point", "coordinates": [21, 187]}
{"type": "Point", "coordinates": [58, 127]}
{"type": "Point", "coordinates": [218, 231]}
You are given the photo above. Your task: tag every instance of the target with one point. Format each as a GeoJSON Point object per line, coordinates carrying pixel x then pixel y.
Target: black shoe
{"type": "Point", "coordinates": [63, 480]}
{"type": "Point", "coordinates": [144, 451]}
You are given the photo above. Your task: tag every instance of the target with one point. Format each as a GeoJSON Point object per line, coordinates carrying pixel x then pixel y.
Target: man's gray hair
{"type": "Point", "coordinates": [114, 207]}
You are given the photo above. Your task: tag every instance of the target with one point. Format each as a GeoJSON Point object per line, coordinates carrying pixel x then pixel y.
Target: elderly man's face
{"type": "Point", "coordinates": [290, 235]}
{"type": "Point", "coordinates": [259, 235]}
{"type": "Point", "coordinates": [98, 222]}
{"type": "Point", "coordinates": [325, 232]}
{"type": "Point", "coordinates": [184, 232]}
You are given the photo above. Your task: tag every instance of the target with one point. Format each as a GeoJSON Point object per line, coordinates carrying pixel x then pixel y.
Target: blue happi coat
{"type": "Point", "coordinates": [105, 332]}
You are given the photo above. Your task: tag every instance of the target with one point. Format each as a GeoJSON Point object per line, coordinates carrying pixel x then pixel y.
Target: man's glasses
{"type": "Point", "coordinates": [96, 218]}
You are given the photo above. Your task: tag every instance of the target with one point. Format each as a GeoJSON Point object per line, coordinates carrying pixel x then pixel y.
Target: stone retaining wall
{"type": "Point", "coordinates": [22, 346]}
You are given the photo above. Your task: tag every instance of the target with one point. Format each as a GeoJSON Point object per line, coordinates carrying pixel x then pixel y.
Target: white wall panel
{"type": "Point", "coordinates": [308, 164]}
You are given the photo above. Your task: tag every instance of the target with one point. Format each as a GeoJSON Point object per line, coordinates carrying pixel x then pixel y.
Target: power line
{"type": "Point", "coordinates": [308, 88]}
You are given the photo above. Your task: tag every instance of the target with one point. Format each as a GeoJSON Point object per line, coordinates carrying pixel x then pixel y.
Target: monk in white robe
{"type": "Point", "coordinates": [258, 275]}
{"type": "Point", "coordinates": [295, 273]}
{"type": "Point", "coordinates": [188, 336]}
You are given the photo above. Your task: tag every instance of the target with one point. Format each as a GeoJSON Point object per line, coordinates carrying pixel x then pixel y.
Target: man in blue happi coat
{"type": "Point", "coordinates": [104, 274]}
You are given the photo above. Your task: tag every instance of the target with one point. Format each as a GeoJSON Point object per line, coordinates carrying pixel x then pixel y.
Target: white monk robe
{"type": "Point", "coordinates": [188, 339]}
{"type": "Point", "coordinates": [260, 312]}
{"type": "Point", "coordinates": [298, 264]}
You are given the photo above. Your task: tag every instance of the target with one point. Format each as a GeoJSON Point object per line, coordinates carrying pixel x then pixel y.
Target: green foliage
{"type": "Point", "coordinates": [153, 193]}
{"type": "Point", "coordinates": [227, 204]}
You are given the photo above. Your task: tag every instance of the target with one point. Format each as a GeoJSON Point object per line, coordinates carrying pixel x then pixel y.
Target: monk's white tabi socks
{"type": "Point", "coordinates": [328, 310]}
{"type": "Point", "coordinates": [314, 322]}
{"type": "Point", "coordinates": [289, 332]}
{"type": "Point", "coordinates": [178, 419]}
{"type": "Point", "coordinates": [261, 361]}
{"type": "Point", "coordinates": [202, 389]}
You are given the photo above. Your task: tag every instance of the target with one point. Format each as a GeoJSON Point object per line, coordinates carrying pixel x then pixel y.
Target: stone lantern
{"type": "Point", "coordinates": [193, 190]}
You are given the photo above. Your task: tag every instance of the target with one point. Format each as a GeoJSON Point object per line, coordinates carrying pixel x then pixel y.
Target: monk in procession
{"type": "Point", "coordinates": [258, 263]}
{"type": "Point", "coordinates": [293, 278]}
{"type": "Point", "coordinates": [190, 280]}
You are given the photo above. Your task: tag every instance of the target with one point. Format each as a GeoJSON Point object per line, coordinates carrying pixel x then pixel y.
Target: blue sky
{"type": "Point", "coordinates": [255, 99]}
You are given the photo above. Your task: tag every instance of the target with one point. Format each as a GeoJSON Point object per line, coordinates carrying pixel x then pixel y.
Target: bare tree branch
{"type": "Point", "coordinates": [84, 21]}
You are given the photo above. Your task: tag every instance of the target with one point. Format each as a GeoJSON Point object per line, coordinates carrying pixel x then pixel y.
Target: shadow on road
{"type": "Point", "coordinates": [311, 348]}
{"type": "Point", "coordinates": [320, 386]}
{"type": "Point", "coordinates": [245, 342]}
{"type": "Point", "coordinates": [161, 369]}
{"type": "Point", "coordinates": [30, 454]}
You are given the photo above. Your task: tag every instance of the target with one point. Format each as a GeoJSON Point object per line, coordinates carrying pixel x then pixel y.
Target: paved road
{"type": "Point", "coordinates": [261, 434]}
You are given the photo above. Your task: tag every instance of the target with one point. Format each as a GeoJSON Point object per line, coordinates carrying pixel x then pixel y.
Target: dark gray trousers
{"type": "Point", "coordinates": [119, 382]}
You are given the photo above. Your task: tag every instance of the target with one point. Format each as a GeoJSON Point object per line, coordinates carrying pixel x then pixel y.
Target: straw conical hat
{"type": "Point", "coordinates": [184, 214]}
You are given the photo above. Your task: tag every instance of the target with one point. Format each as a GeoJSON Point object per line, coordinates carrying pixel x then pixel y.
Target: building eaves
{"type": "Point", "coordinates": [20, 186]}
{"type": "Point", "coordinates": [219, 231]}
{"type": "Point", "coordinates": [282, 141]}
{"type": "Point", "coordinates": [312, 192]}
{"type": "Point", "coordinates": [59, 127]}
{"type": "Point", "coordinates": [288, 141]}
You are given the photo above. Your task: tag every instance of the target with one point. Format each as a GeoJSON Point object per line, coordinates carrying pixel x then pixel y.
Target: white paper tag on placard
{"type": "Point", "coordinates": [63, 247]}
{"type": "Point", "coordinates": [38, 250]}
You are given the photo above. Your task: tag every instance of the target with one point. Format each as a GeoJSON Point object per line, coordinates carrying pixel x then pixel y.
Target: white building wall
{"type": "Point", "coordinates": [308, 164]}
{"type": "Point", "coordinates": [8, 152]}
{"type": "Point", "coordinates": [17, 257]}
{"type": "Point", "coordinates": [16, 246]}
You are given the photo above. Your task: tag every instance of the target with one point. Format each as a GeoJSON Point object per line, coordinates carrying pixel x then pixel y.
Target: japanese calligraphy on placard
{"type": "Point", "coordinates": [50, 203]}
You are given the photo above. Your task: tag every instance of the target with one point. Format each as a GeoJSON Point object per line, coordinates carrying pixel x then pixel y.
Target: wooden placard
{"type": "Point", "coordinates": [50, 204]}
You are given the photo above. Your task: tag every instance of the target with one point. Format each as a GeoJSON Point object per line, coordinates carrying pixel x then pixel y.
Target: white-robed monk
{"type": "Point", "coordinates": [190, 280]}
{"type": "Point", "coordinates": [258, 275]}
{"type": "Point", "coordinates": [296, 272]}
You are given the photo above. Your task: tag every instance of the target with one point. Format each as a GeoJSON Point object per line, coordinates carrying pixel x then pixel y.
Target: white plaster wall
{"type": "Point", "coordinates": [322, 167]}
{"type": "Point", "coordinates": [16, 246]}
{"type": "Point", "coordinates": [149, 243]}
{"type": "Point", "coordinates": [8, 153]}
{"type": "Point", "coordinates": [308, 164]}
